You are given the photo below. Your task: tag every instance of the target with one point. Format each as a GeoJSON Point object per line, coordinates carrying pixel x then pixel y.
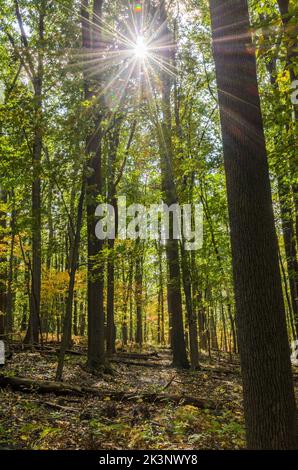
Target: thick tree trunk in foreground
{"type": "Point", "coordinates": [269, 403]}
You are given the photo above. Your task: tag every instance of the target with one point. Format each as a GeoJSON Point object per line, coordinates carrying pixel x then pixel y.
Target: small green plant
{"type": "Point", "coordinates": [185, 418]}
{"type": "Point", "coordinates": [102, 430]}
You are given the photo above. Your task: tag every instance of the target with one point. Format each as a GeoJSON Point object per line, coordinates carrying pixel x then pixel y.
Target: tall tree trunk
{"type": "Point", "coordinates": [269, 402]}
{"type": "Point", "coordinates": [34, 321]}
{"type": "Point", "coordinates": [170, 197]}
{"type": "Point", "coordinates": [139, 294]}
{"type": "Point", "coordinates": [82, 319]}
{"type": "Point", "coordinates": [111, 327]}
{"type": "Point", "coordinates": [213, 330]}
{"type": "Point", "coordinates": [72, 275]}
{"type": "Point", "coordinates": [91, 31]}
{"type": "Point", "coordinates": [33, 329]}
{"type": "Point", "coordinates": [10, 293]}
{"type": "Point", "coordinates": [3, 264]}
{"type": "Point", "coordinates": [161, 303]}
{"type": "Point", "coordinates": [202, 328]}
{"type": "Point", "coordinates": [191, 316]}
{"type": "Point", "coordinates": [233, 328]}
{"type": "Point", "coordinates": [126, 301]}
{"type": "Point", "coordinates": [225, 340]}
{"type": "Point", "coordinates": [199, 309]}
{"type": "Point", "coordinates": [50, 229]}
{"type": "Point", "coordinates": [75, 315]}
{"type": "Point", "coordinates": [131, 338]}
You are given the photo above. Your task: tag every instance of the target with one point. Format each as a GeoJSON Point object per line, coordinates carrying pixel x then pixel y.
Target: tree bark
{"type": "Point", "coordinates": [126, 301]}
{"type": "Point", "coordinates": [3, 263]}
{"type": "Point", "coordinates": [95, 290]}
{"type": "Point", "coordinates": [73, 268]}
{"type": "Point", "coordinates": [191, 316]}
{"type": "Point", "coordinates": [139, 293]}
{"type": "Point", "coordinates": [32, 335]}
{"type": "Point", "coordinates": [111, 326]}
{"type": "Point", "coordinates": [10, 275]}
{"type": "Point", "coordinates": [170, 196]}
{"type": "Point", "coordinates": [161, 304]}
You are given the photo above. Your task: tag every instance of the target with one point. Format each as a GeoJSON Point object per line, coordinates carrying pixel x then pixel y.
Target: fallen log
{"type": "Point", "coordinates": [221, 370]}
{"type": "Point", "coordinates": [22, 384]}
{"type": "Point", "coordinates": [127, 362]}
{"type": "Point", "coordinates": [141, 356]}
{"type": "Point", "coordinates": [58, 407]}
{"type": "Point", "coordinates": [46, 350]}
{"type": "Point", "coordinates": [71, 352]}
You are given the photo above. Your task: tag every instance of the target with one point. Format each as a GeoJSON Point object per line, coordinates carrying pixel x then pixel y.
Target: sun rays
{"type": "Point", "coordinates": [141, 48]}
{"type": "Point", "coordinates": [129, 58]}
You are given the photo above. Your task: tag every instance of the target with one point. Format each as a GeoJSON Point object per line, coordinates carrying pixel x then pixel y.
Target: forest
{"type": "Point", "coordinates": [148, 225]}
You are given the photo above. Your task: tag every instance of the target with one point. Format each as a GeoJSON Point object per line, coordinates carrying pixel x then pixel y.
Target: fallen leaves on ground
{"type": "Point", "coordinates": [32, 421]}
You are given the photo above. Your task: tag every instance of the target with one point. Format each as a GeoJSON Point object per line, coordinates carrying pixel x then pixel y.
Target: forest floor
{"type": "Point", "coordinates": [47, 421]}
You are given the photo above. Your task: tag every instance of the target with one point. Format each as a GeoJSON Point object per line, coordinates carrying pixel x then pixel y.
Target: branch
{"type": "Point", "coordinates": [24, 37]}
{"type": "Point", "coordinates": [11, 88]}
{"type": "Point", "coordinates": [71, 223]}
{"type": "Point", "coordinates": [130, 139]}
{"type": "Point", "coordinates": [16, 51]}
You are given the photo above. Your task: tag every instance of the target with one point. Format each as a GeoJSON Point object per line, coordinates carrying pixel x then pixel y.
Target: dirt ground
{"type": "Point", "coordinates": [47, 421]}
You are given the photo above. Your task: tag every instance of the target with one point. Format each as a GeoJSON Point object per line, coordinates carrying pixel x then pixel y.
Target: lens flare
{"type": "Point", "coordinates": [138, 8]}
{"type": "Point", "coordinates": [140, 48]}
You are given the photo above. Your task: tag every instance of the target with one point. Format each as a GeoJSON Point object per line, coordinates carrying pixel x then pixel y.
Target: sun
{"type": "Point", "coordinates": [140, 49]}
